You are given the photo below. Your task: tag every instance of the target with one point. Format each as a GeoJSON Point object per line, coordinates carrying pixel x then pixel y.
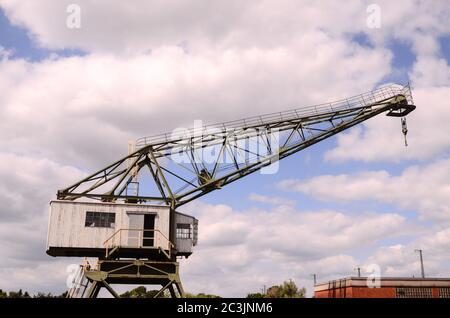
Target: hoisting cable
{"type": "Point", "coordinates": [404, 129]}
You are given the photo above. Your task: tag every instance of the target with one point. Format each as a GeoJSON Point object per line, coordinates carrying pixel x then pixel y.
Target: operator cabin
{"type": "Point", "coordinates": [90, 229]}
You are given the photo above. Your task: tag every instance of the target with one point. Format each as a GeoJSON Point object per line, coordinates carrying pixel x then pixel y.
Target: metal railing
{"type": "Point", "coordinates": [139, 240]}
{"type": "Point", "coordinates": [79, 282]}
{"type": "Point", "coordinates": [381, 94]}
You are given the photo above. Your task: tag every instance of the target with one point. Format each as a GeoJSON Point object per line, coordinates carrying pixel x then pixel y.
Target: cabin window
{"type": "Point", "coordinates": [184, 231]}
{"type": "Point", "coordinates": [100, 219]}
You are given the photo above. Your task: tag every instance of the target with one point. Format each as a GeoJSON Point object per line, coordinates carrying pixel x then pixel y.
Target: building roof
{"type": "Point", "coordinates": [384, 282]}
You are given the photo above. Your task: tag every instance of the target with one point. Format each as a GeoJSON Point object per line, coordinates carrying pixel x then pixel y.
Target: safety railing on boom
{"type": "Point", "coordinates": [186, 165]}
{"type": "Point", "coordinates": [358, 101]}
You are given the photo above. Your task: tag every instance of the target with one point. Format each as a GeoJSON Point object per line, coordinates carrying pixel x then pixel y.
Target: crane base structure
{"type": "Point", "coordinates": [88, 281]}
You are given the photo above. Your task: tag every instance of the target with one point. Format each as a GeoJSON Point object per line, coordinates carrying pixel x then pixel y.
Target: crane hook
{"type": "Point", "coordinates": [404, 129]}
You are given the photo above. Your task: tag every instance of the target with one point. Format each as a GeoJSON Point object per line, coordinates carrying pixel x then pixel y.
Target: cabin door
{"type": "Point", "coordinates": [149, 230]}
{"type": "Point", "coordinates": [135, 229]}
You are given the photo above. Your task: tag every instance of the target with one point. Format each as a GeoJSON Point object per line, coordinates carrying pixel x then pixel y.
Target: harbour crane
{"type": "Point", "coordinates": [172, 169]}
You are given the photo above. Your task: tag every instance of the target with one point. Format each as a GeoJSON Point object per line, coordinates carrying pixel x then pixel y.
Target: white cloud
{"type": "Point", "coordinates": [4, 53]}
{"type": "Point", "coordinates": [140, 26]}
{"type": "Point", "coordinates": [270, 199]}
{"type": "Point", "coordinates": [49, 276]}
{"type": "Point", "coordinates": [28, 184]}
{"type": "Point", "coordinates": [431, 71]}
{"type": "Point", "coordinates": [258, 247]}
{"type": "Point", "coordinates": [224, 67]}
{"type": "Point", "coordinates": [83, 110]}
{"type": "Point", "coordinates": [403, 260]}
{"type": "Point", "coordinates": [382, 139]}
{"type": "Point", "coordinates": [143, 25]}
{"type": "Point", "coordinates": [417, 22]}
{"type": "Point", "coordinates": [423, 188]}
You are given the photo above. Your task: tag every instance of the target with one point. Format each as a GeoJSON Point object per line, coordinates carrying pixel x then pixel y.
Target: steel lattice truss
{"type": "Point", "coordinates": [188, 164]}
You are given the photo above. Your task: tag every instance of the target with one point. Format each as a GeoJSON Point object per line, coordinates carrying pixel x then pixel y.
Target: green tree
{"type": "Point", "coordinates": [142, 292]}
{"type": "Point", "coordinates": [200, 295]}
{"type": "Point", "coordinates": [273, 292]}
{"type": "Point", "coordinates": [19, 294]}
{"type": "Point", "coordinates": [49, 295]}
{"type": "Point", "coordinates": [256, 295]}
{"type": "Point", "coordinates": [287, 290]}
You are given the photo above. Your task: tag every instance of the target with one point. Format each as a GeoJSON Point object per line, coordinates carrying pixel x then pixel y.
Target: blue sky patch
{"type": "Point", "coordinates": [17, 40]}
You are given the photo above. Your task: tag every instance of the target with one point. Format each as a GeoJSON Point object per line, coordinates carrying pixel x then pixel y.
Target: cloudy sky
{"type": "Point", "coordinates": [71, 98]}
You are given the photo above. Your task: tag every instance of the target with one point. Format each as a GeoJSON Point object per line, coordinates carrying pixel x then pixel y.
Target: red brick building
{"type": "Point", "coordinates": [389, 287]}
